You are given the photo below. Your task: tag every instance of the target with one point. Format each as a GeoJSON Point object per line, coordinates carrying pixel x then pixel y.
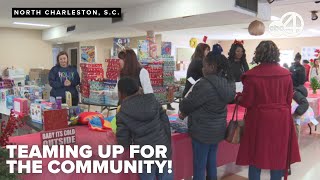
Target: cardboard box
{"type": "Point", "coordinates": [20, 106]}
{"type": "Point", "coordinates": [41, 76]}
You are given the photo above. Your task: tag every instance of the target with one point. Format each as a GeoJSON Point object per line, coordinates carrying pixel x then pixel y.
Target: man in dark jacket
{"type": "Point", "coordinates": [142, 121]}
{"type": "Point", "coordinates": [298, 71]}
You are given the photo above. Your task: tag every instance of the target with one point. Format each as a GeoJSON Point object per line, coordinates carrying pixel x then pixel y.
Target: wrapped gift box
{"type": "Point", "coordinates": [97, 85]}
{"type": "Point", "coordinates": [21, 106]}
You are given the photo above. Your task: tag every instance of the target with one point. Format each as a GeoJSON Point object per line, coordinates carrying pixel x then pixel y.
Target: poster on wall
{"type": "Point", "coordinates": [120, 44]}
{"type": "Point", "coordinates": [88, 54]}
{"type": "Point", "coordinates": [308, 53]}
{"type": "Point", "coordinates": [286, 56]}
{"type": "Point", "coordinates": [143, 49]}
{"type": "Point", "coordinates": [166, 48]}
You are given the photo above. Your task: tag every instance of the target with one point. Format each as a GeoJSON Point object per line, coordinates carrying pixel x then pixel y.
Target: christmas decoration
{"type": "Point", "coordinates": [205, 39]}
{"type": "Point", "coordinates": [6, 130]}
{"type": "Point", "coordinates": [317, 53]}
{"type": "Point", "coordinates": [256, 28]}
{"type": "Point", "coordinates": [238, 42]}
{"type": "Point", "coordinates": [314, 85]}
{"type": "Point", "coordinates": [193, 42]}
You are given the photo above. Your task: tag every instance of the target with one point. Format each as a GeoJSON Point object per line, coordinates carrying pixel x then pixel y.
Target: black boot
{"type": "Point", "coordinates": [211, 178]}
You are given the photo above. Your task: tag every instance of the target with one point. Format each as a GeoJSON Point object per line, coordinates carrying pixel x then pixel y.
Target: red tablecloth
{"type": "Point", "coordinates": [181, 145]}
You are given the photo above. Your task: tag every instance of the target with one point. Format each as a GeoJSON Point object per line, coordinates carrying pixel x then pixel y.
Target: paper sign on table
{"type": "Point", "coordinates": [59, 137]}
{"type": "Point", "coordinates": [239, 87]}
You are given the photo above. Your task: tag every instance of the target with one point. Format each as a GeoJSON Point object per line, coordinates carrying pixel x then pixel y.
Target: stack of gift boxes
{"type": "Point", "coordinates": [113, 72]}
{"type": "Point", "coordinates": [96, 92]}
{"type": "Point", "coordinates": [161, 69]}
{"type": "Point", "coordinates": [6, 83]}
{"type": "Point", "coordinates": [169, 66]}
{"type": "Point", "coordinates": [155, 70]}
{"type": "Point", "coordinates": [89, 72]}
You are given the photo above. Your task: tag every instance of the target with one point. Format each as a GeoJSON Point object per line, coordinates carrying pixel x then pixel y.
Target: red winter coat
{"type": "Point", "coordinates": [269, 140]}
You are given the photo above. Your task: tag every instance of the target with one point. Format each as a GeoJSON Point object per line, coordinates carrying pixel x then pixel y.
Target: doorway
{"type": "Point", "coordinates": [73, 57]}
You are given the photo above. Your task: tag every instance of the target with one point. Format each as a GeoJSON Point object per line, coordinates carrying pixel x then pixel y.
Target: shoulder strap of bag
{"type": "Point", "coordinates": [235, 111]}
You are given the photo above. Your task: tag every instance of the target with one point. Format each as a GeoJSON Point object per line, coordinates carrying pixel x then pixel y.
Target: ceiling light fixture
{"type": "Point", "coordinates": [314, 30]}
{"type": "Point", "coordinates": [314, 15]}
{"type": "Point", "coordinates": [270, 1]}
{"type": "Point", "coordinates": [31, 24]}
{"type": "Point", "coordinates": [275, 18]}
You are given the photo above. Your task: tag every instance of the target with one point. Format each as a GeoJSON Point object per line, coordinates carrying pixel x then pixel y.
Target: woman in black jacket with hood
{"type": "Point", "coordinates": [206, 108]}
{"type": "Point", "coordinates": [195, 67]}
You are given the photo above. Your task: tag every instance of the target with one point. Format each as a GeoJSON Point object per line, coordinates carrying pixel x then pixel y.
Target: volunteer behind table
{"type": "Point", "coordinates": [130, 67]}
{"type": "Point", "coordinates": [195, 67]}
{"type": "Point", "coordinates": [63, 78]}
{"type": "Point", "coordinates": [237, 60]}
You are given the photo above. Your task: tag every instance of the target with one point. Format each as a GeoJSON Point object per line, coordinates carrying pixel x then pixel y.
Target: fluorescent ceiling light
{"type": "Point", "coordinates": [59, 42]}
{"type": "Point", "coordinates": [274, 18]}
{"type": "Point", "coordinates": [31, 24]}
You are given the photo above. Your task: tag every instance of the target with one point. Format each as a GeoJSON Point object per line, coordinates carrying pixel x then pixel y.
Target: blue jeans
{"type": "Point", "coordinates": [155, 173]}
{"type": "Point", "coordinates": [254, 173]}
{"type": "Point", "coordinates": [204, 158]}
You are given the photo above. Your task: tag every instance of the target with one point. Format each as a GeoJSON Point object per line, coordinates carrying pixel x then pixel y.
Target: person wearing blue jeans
{"type": "Point", "coordinates": [155, 174]}
{"type": "Point", "coordinates": [254, 173]}
{"type": "Point", "coordinates": [204, 158]}
{"type": "Point", "coordinates": [206, 107]}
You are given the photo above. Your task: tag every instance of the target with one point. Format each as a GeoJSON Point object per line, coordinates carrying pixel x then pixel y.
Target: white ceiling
{"type": "Point", "coordinates": [221, 32]}
{"type": "Point", "coordinates": [240, 31]}
{"type": "Point", "coordinates": [6, 5]}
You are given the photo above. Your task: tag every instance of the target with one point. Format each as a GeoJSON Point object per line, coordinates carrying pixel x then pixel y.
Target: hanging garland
{"type": "Point", "coordinates": [193, 42]}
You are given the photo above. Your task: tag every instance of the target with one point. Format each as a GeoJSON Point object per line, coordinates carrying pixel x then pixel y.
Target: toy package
{"type": "Point", "coordinates": [10, 101]}
{"type": "Point", "coordinates": [6, 83]}
{"type": "Point", "coordinates": [166, 48]}
{"type": "Point", "coordinates": [68, 98]}
{"type": "Point", "coordinates": [36, 113]}
{"type": "Point", "coordinates": [21, 106]}
{"type": "Point", "coordinates": [143, 49]}
{"type": "Point", "coordinates": [30, 92]}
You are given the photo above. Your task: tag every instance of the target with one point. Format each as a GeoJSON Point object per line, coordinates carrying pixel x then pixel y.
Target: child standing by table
{"type": "Point", "coordinates": [300, 94]}
{"type": "Point", "coordinates": [142, 121]}
{"type": "Point", "coordinates": [206, 108]}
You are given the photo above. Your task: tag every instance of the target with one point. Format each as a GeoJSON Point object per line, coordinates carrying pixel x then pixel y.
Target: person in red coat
{"type": "Point", "coordinates": [269, 140]}
{"type": "Point", "coordinates": [307, 67]}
